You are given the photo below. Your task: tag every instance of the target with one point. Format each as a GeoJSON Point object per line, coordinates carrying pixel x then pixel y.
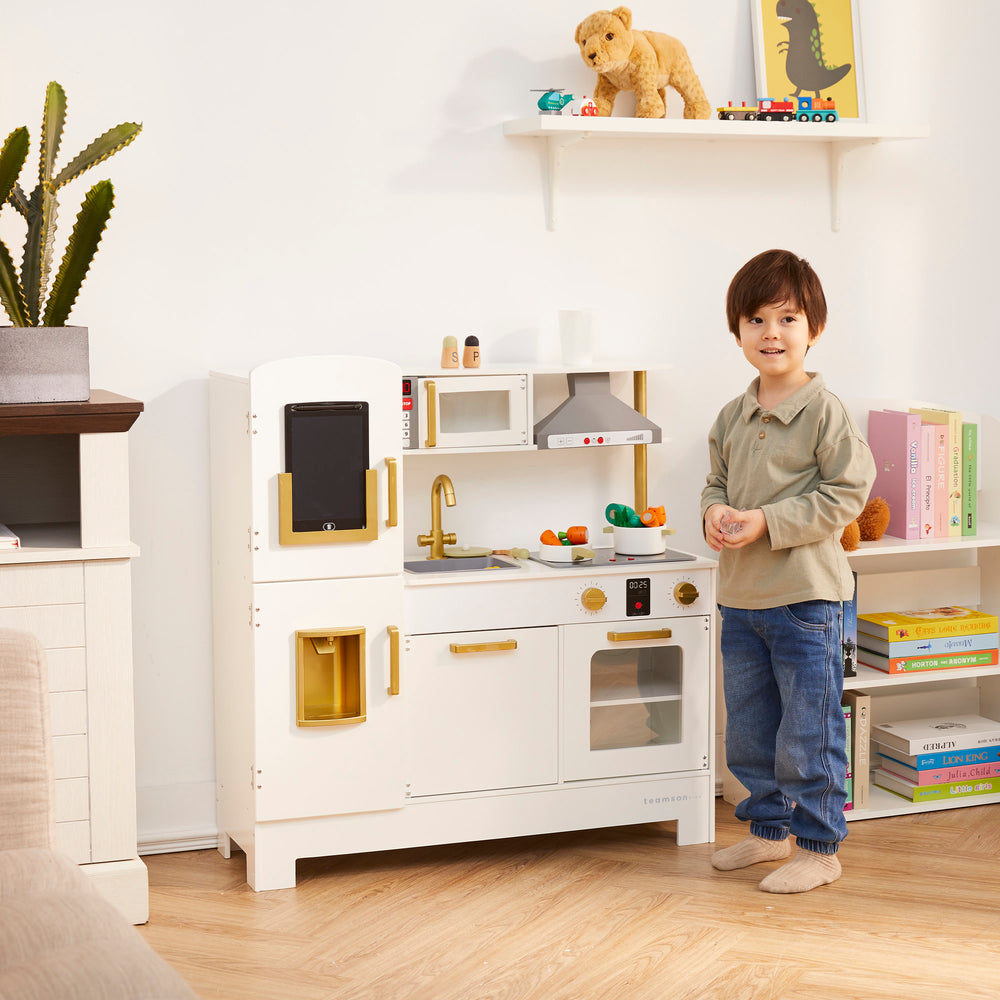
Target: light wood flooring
{"type": "Point", "coordinates": [616, 913]}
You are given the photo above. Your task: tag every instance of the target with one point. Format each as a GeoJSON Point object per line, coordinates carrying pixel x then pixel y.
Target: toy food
{"type": "Point", "coordinates": [653, 517]}
{"type": "Point", "coordinates": [548, 537]}
{"type": "Point", "coordinates": [646, 62]}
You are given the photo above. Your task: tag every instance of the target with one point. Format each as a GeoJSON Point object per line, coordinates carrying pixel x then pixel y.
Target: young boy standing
{"type": "Point", "coordinates": [789, 470]}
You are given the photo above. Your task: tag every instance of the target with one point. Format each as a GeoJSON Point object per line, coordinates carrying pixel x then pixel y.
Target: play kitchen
{"type": "Point", "coordinates": [381, 685]}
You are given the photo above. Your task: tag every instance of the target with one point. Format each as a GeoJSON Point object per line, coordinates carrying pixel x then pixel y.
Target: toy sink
{"type": "Point", "coordinates": [465, 565]}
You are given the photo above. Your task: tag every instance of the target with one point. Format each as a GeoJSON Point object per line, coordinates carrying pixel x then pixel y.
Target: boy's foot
{"type": "Point", "coordinates": [750, 851]}
{"type": "Point", "coordinates": [805, 871]}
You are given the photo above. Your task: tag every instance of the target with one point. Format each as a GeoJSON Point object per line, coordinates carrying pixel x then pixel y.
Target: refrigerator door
{"type": "Point", "coordinates": [330, 737]}
{"type": "Point", "coordinates": [278, 552]}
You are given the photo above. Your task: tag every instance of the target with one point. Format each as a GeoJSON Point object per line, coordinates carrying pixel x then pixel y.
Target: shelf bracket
{"type": "Point", "coordinates": [838, 150]}
{"type": "Point", "coordinates": [553, 149]}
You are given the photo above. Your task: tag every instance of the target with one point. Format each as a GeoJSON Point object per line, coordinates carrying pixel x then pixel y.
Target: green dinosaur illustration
{"type": "Point", "coordinates": [805, 65]}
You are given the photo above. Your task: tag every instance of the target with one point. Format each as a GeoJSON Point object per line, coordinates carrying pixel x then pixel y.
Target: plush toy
{"type": "Point", "coordinates": [869, 526]}
{"type": "Point", "coordinates": [646, 62]}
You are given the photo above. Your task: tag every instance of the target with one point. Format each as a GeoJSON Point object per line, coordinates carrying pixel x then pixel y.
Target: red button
{"type": "Point", "coordinates": [407, 404]}
{"type": "Point", "coordinates": [586, 440]}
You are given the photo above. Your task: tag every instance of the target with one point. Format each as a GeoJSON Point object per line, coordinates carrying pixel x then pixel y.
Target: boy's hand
{"type": "Point", "coordinates": [714, 517]}
{"type": "Point", "coordinates": [742, 527]}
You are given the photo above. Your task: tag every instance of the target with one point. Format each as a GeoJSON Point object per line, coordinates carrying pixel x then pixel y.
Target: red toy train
{"type": "Point", "coordinates": [807, 109]}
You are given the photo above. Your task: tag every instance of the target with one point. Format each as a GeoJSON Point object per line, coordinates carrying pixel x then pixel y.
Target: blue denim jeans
{"type": "Point", "coordinates": [786, 738]}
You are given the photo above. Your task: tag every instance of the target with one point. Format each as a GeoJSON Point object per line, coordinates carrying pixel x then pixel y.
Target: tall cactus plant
{"type": "Point", "coordinates": [26, 296]}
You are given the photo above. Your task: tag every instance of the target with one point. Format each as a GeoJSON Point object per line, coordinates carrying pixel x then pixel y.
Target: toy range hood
{"type": "Point", "coordinates": [593, 415]}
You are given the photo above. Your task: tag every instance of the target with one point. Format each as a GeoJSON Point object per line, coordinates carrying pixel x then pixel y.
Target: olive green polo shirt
{"type": "Point", "coordinates": [807, 466]}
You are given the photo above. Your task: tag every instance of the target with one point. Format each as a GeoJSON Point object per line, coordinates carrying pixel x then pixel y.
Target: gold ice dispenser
{"type": "Point", "coordinates": [330, 676]}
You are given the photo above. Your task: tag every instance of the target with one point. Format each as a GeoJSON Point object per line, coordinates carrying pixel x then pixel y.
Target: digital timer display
{"type": "Point", "coordinates": [636, 596]}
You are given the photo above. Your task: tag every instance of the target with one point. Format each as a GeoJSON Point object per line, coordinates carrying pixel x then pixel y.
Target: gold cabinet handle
{"type": "Point", "coordinates": [660, 633]}
{"type": "Point", "coordinates": [432, 415]}
{"type": "Point", "coordinates": [393, 659]}
{"type": "Point", "coordinates": [482, 647]}
{"type": "Point", "coordinates": [393, 519]}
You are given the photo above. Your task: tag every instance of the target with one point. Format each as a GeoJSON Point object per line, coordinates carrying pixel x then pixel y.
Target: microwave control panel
{"type": "Point", "coordinates": [411, 423]}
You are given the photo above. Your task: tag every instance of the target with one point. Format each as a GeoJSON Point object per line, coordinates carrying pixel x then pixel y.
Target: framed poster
{"type": "Point", "coordinates": [809, 48]}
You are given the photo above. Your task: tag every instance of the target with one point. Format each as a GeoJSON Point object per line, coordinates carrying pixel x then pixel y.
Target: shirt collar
{"type": "Point", "coordinates": [787, 409]}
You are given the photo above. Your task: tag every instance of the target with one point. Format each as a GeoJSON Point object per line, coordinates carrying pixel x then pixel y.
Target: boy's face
{"type": "Point", "coordinates": [775, 340]}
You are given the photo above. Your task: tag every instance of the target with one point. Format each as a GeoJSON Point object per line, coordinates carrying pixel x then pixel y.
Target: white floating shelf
{"type": "Point", "coordinates": [560, 131]}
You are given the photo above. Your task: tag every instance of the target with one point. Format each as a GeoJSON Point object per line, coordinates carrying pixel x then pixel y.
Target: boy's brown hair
{"type": "Point", "coordinates": [776, 276]}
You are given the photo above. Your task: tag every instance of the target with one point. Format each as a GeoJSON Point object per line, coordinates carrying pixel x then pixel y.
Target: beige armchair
{"type": "Point", "coordinates": [59, 938]}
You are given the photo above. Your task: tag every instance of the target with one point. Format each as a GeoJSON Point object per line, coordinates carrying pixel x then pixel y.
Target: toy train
{"type": "Point", "coordinates": [808, 109]}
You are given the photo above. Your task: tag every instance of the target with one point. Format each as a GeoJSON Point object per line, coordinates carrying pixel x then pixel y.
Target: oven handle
{"type": "Point", "coordinates": [660, 633]}
{"type": "Point", "coordinates": [482, 647]}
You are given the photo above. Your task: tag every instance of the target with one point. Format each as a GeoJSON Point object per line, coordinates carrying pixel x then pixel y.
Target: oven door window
{"type": "Point", "coordinates": [635, 697]}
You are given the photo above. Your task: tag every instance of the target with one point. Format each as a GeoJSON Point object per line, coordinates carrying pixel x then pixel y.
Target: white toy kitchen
{"type": "Point", "coordinates": [374, 693]}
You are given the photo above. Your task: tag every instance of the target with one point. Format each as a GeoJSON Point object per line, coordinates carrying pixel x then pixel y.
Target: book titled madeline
{"type": "Point", "coordinates": [955, 732]}
{"type": "Point", "coordinates": [932, 623]}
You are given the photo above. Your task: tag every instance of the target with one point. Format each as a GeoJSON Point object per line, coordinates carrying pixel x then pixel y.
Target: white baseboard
{"type": "Point", "coordinates": [176, 818]}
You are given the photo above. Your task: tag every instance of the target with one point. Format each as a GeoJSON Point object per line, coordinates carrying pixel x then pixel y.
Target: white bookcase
{"type": "Point", "coordinates": [64, 491]}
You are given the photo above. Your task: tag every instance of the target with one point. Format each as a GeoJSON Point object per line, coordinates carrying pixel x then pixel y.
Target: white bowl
{"type": "Point", "coordinates": [639, 541]}
{"type": "Point", "coordinates": [565, 553]}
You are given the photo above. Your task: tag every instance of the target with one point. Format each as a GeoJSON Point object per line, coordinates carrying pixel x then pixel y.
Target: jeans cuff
{"type": "Point", "coordinates": [769, 832]}
{"type": "Point", "coordinates": [817, 846]}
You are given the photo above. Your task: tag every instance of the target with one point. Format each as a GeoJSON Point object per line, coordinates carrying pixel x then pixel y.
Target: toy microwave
{"type": "Point", "coordinates": [466, 411]}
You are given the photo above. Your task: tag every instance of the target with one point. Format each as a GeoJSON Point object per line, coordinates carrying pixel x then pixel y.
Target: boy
{"type": "Point", "coordinates": [789, 470]}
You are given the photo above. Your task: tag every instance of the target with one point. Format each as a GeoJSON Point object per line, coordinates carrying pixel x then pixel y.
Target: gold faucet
{"type": "Point", "coordinates": [437, 540]}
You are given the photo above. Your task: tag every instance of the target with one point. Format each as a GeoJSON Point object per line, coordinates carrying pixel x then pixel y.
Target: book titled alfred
{"type": "Point", "coordinates": [954, 732]}
{"type": "Point", "coordinates": [8, 540]}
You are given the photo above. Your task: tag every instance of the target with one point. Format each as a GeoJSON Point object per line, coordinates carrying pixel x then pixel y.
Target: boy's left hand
{"type": "Point", "coordinates": [754, 527]}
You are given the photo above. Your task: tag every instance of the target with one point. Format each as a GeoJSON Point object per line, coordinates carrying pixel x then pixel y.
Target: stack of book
{"type": "Point", "coordinates": [928, 471]}
{"type": "Point", "coordinates": [8, 540]}
{"type": "Point", "coordinates": [945, 638]}
{"type": "Point", "coordinates": [924, 760]}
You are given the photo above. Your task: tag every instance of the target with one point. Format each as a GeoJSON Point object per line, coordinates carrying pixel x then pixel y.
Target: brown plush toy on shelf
{"type": "Point", "coordinates": [869, 526]}
{"type": "Point", "coordinates": [646, 62]}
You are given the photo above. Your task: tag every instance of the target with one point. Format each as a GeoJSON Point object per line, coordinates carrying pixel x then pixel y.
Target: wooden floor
{"type": "Point", "coordinates": [619, 913]}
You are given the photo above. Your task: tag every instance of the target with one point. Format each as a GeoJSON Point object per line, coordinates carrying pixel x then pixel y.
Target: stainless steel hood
{"type": "Point", "coordinates": [593, 415]}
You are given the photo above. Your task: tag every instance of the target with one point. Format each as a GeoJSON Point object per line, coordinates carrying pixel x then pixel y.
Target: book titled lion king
{"type": "Point", "coordinates": [931, 623]}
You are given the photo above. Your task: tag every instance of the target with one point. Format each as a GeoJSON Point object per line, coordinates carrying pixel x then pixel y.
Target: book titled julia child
{"type": "Point", "coordinates": [944, 758]}
{"type": "Point", "coordinates": [939, 775]}
{"type": "Point", "coordinates": [931, 623]}
{"type": "Point", "coordinates": [916, 664]}
{"type": "Point", "coordinates": [932, 793]}
{"type": "Point", "coordinates": [951, 732]}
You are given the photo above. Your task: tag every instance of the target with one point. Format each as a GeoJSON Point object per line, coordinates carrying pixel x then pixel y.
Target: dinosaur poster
{"type": "Point", "coordinates": [809, 48]}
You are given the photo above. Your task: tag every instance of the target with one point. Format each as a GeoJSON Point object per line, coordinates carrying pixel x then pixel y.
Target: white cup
{"type": "Point", "coordinates": [576, 333]}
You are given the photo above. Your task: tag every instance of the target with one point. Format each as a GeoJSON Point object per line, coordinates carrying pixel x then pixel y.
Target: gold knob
{"type": "Point", "coordinates": [685, 593]}
{"type": "Point", "coordinates": [593, 599]}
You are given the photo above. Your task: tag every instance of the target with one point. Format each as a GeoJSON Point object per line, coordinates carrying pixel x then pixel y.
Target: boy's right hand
{"type": "Point", "coordinates": [713, 525]}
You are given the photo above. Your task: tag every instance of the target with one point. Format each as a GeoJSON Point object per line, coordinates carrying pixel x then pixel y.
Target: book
{"type": "Point", "coordinates": [939, 775]}
{"type": "Point", "coordinates": [894, 439]}
{"type": "Point", "coordinates": [849, 777]}
{"type": "Point", "coordinates": [941, 758]}
{"type": "Point", "coordinates": [970, 478]}
{"type": "Point", "coordinates": [8, 540]}
{"type": "Point", "coordinates": [949, 732]}
{"type": "Point", "coordinates": [914, 664]}
{"type": "Point", "coordinates": [929, 434]}
{"type": "Point", "coordinates": [931, 647]}
{"type": "Point", "coordinates": [940, 432]}
{"type": "Point", "coordinates": [849, 632]}
{"type": "Point", "coordinates": [931, 623]}
{"type": "Point", "coordinates": [951, 419]}
{"type": "Point", "coordinates": [861, 714]}
{"type": "Point", "coordinates": [931, 793]}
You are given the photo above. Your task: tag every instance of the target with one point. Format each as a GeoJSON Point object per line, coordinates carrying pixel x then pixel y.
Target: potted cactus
{"type": "Point", "coordinates": [41, 358]}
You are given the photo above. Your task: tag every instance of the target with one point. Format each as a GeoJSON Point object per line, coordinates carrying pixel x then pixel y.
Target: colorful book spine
{"type": "Point", "coordinates": [915, 664]}
{"type": "Point", "coordinates": [933, 793]}
{"type": "Point", "coordinates": [861, 714]}
{"type": "Point", "coordinates": [951, 419]}
{"type": "Point", "coordinates": [950, 644]}
{"type": "Point", "coordinates": [940, 480]}
{"type": "Point", "coordinates": [849, 632]}
{"type": "Point", "coordinates": [933, 623]}
{"type": "Point", "coordinates": [894, 439]}
{"type": "Point", "coordinates": [970, 478]}
{"type": "Point", "coordinates": [943, 758]}
{"type": "Point", "coordinates": [939, 775]}
{"type": "Point", "coordinates": [928, 480]}
{"type": "Point", "coordinates": [932, 735]}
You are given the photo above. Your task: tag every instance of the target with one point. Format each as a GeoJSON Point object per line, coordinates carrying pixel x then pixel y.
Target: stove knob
{"type": "Point", "coordinates": [593, 599]}
{"type": "Point", "coordinates": [685, 593]}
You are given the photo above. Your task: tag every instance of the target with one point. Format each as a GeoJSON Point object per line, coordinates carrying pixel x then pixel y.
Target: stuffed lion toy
{"type": "Point", "coordinates": [646, 62]}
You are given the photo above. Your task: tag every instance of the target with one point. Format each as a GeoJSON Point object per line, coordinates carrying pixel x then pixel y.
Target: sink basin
{"type": "Point", "coordinates": [464, 565]}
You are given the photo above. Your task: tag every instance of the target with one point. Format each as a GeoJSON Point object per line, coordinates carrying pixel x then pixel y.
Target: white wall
{"type": "Point", "coordinates": [320, 179]}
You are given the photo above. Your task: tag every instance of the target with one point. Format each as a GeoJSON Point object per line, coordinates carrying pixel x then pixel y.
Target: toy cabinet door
{"type": "Point", "coordinates": [340, 747]}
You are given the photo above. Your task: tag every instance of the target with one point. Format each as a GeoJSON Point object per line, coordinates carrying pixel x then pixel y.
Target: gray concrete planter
{"type": "Point", "coordinates": [44, 364]}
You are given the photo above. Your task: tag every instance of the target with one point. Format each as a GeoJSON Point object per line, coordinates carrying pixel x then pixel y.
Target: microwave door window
{"type": "Point", "coordinates": [473, 412]}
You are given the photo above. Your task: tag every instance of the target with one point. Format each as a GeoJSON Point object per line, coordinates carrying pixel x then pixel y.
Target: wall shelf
{"type": "Point", "coordinates": [560, 132]}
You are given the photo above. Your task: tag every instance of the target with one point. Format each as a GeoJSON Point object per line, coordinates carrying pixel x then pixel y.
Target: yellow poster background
{"type": "Point", "coordinates": [837, 36]}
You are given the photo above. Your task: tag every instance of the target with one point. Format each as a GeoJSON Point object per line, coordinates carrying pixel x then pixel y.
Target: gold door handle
{"type": "Point", "coordinates": [393, 659]}
{"type": "Point", "coordinates": [482, 647]}
{"type": "Point", "coordinates": [432, 415]}
{"type": "Point", "coordinates": [393, 519]}
{"type": "Point", "coordinates": [660, 633]}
